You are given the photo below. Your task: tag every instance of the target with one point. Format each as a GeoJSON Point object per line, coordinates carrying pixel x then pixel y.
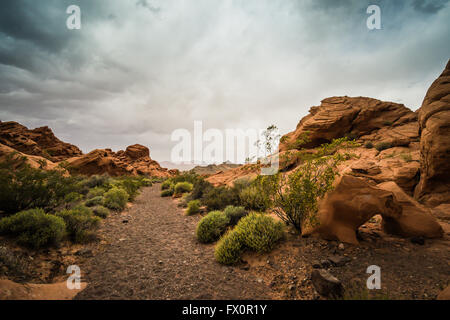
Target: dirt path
{"type": "Point", "coordinates": [155, 256]}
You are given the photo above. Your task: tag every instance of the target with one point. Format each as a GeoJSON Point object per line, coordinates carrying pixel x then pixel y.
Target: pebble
{"type": "Point", "coordinates": [341, 246]}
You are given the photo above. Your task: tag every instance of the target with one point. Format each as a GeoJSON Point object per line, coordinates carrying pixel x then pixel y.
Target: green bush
{"type": "Point", "coordinates": [201, 187]}
{"type": "Point", "coordinates": [368, 145]}
{"type": "Point", "coordinates": [116, 199]}
{"type": "Point", "coordinates": [221, 197]}
{"type": "Point", "coordinates": [193, 207]}
{"type": "Point", "coordinates": [383, 146]}
{"type": "Point", "coordinates": [260, 232]}
{"type": "Point", "coordinates": [130, 184]}
{"type": "Point", "coordinates": [73, 197]}
{"type": "Point", "coordinates": [80, 223]}
{"type": "Point", "coordinates": [212, 226]}
{"type": "Point", "coordinates": [253, 199]}
{"type": "Point", "coordinates": [167, 193]}
{"type": "Point", "coordinates": [235, 214]}
{"type": "Point", "coordinates": [23, 187]}
{"type": "Point", "coordinates": [97, 181]}
{"type": "Point", "coordinates": [146, 182]}
{"type": "Point", "coordinates": [96, 201]}
{"type": "Point", "coordinates": [229, 248]}
{"type": "Point", "coordinates": [166, 185]}
{"type": "Point", "coordinates": [256, 232]}
{"type": "Point", "coordinates": [95, 192]}
{"type": "Point", "coordinates": [101, 212]}
{"type": "Point", "coordinates": [34, 228]}
{"type": "Point", "coordinates": [183, 187]}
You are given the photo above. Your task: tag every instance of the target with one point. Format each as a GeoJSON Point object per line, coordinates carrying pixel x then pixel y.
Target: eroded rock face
{"type": "Point", "coordinates": [415, 221]}
{"type": "Point", "coordinates": [135, 160]}
{"type": "Point", "coordinates": [33, 161]}
{"type": "Point", "coordinates": [434, 120]}
{"type": "Point", "coordinates": [355, 200]}
{"type": "Point", "coordinates": [366, 118]}
{"type": "Point", "coordinates": [38, 142]}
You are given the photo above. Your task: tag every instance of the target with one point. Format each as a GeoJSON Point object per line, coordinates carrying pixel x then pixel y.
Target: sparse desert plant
{"type": "Point", "coordinates": [201, 187]}
{"type": "Point", "coordinates": [193, 207]}
{"type": "Point", "coordinates": [229, 248]}
{"type": "Point", "coordinates": [259, 232]}
{"type": "Point", "coordinates": [383, 146]}
{"type": "Point", "coordinates": [167, 193]}
{"type": "Point", "coordinates": [101, 211]}
{"type": "Point", "coordinates": [73, 197]}
{"type": "Point", "coordinates": [34, 228]}
{"type": "Point", "coordinates": [212, 226]}
{"type": "Point", "coordinates": [116, 199]}
{"type": "Point", "coordinates": [253, 199]}
{"type": "Point", "coordinates": [183, 187]}
{"type": "Point", "coordinates": [146, 182]}
{"type": "Point", "coordinates": [95, 192]}
{"type": "Point", "coordinates": [130, 184]}
{"type": "Point", "coordinates": [80, 223]}
{"type": "Point", "coordinates": [406, 157]}
{"type": "Point", "coordinates": [97, 181]}
{"type": "Point", "coordinates": [166, 185]}
{"type": "Point", "coordinates": [388, 123]}
{"type": "Point", "coordinates": [96, 201]}
{"type": "Point", "coordinates": [235, 214]}
{"type": "Point", "coordinates": [221, 197]}
{"type": "Point", "coordinates": [368, 145]}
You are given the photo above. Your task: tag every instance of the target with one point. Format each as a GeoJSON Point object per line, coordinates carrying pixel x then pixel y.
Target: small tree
{"type": "Point", "coordinates": [295, 196]}
{"type": "Point", "coordinates": [271, 138]}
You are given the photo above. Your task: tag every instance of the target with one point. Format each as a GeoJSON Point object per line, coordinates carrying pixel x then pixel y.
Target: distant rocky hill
{"type": "Point", "coordinates": [214, 168]}
{"type": "Point", "coordinates": [43, 149]}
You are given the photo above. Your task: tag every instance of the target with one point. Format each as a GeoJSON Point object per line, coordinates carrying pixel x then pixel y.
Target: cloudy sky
{"type": "Point", "coordinates": [139, 69]}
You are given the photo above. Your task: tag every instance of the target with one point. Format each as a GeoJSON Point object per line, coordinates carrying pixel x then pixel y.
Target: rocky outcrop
{"type": "Point", "coordinates": [135, 160]}
{"type": "Point", "coordinates": [355, 200]}
{"type": "Point", "coordinates": [364, 118]}
{"type": "Point", "coordinates": [434, 120]}
{"type": "Point", "coordinates": [17, 159]}
{"type": "Point", "coordinates": [38, 142]}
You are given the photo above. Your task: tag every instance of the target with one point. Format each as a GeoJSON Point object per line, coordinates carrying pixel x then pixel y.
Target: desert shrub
{"type": "Point", "coordinates": [116, 199]}
{"type": "Point", "coordinates": [212, 226]}
{"type": "Point", "coordinates": [23, 187]}
{"type": "Point", "coordinates": [183, 187]}
{"type": "Point", "coordinates": [229, 248]}
{"type": "Point", "coordinates": [185, 177]}
{"type": "Point", "coordinates": [101, 211]}
{"type": "Point", "coordinates": [34, 228]}
{"type": "Point", "coordinates": [166, 185]}
{"type": "Point", "coordinates": [95, 192]}
{"type": "Point", "coordinates": [201, 187]}
{"type": "Point", "coordinates": [368, 145]}
{"type": "Point", "coordinates": [388, 123]}
{"type": "Point", "coordinates": [235, 214]}
{"type": "Point", "coordinates": [221, 197]}
{"type": "Point", "coordinates": [383, 146]}
{"type": "Point", "coordinates": [130, 184]}
{"type": "Point", "coordinates": [96, 201]}
{"type": "Point", "coordinates": [193, 207]}
{"type": "Point", "coordinates": [259, 232]}
{"type": "Point", "coordinates": [167, 193]}
{"type": "Point", "coordinates": [97, 181]}
{"type": "Point", "coordinates": [253, 199]}
{"type": "Point", "coordinates": [80, 223]}
{"type": "Point", "coordinates": [294, 197]}
{"type": "Point", "coordinates": [146, 182]}
{"type": "Point", "coordinates": [73, 197]}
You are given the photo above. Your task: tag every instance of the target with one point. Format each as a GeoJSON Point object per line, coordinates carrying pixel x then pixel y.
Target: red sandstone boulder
{"type": "Point", "coordinates": [434, 119]}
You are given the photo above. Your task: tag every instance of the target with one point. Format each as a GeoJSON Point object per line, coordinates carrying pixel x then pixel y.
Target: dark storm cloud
{"type": "Point", "coordinates": [139, 69]}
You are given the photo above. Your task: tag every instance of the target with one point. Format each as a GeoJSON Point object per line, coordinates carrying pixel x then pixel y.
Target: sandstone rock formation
{"type": "Point", "coordinates": [355, 200]}
{"type": "Point", "coordinates": [33, 161]}
{"type": "Point", "coordinates": [135, 160]}
{"type": "Point", "coordinates": [43, 150]}
{"type": "Point", "coordinates": [38, 142]}
{"type": "Point", "coordinates": [368, 119]}
{"type": "Point", "coordinates": [434, 120]}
